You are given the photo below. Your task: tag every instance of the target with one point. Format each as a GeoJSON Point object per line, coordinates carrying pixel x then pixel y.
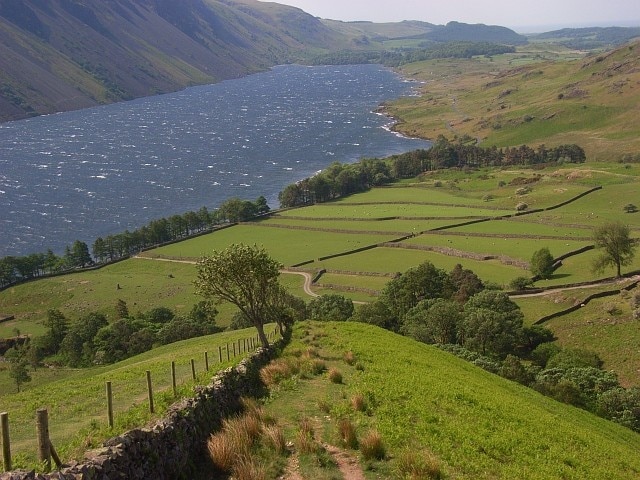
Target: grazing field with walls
{"type": "Point", "coordinates": [359, 263]}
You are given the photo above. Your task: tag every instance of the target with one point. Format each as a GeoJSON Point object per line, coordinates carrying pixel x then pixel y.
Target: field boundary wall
{"type": "Point", "coordinates": [174, 447]}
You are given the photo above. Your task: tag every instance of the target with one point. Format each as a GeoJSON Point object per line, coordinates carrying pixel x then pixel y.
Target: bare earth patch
{"type": "Point", "coordinates": [347, 463]}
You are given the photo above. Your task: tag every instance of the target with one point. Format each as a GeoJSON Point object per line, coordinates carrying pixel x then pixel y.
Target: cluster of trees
{"type": "Point", "coordinates": [113, 247]}
{"type": "Point", "coordinates": [435, 306]}
{"type": "Point", "coordinates": [93, 340]}
{"type": "Point", "coordinates": [344, 179]}
{"type": "Point", "coordinates": [34, 265]}
{"type": "Point", "coordinates": [447, 154]}
{"type": "Point", "coordinates": [454, 50]}
{"type": "Point", "coordinates": [175, 228]}
{"type": "Point", "coordinates": [429, 51]}
{"type": "Point", "coordinates": [335, 181]}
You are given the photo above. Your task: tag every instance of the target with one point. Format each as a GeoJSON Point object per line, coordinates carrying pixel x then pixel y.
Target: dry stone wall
{"type": "Point", "coordinates": [175, 446]}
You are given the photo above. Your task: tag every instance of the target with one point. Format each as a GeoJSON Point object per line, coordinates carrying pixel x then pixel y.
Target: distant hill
{"type": "Point", "coordinates": [381, 31]}
{"type": "Point", "coordinates": [451, 32]}
{"type": "Point", "coordinates": [58, 55]}
{"type": "Point", "coordinates": [590, 38]}
{"type": "Point", "coordinates": [463, 32]}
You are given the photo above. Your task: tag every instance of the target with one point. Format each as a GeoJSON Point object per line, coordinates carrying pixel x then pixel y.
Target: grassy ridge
{"type": "Point", "coordinates": [478, 425]}
{"type": "Point", "coordinates": [529, 98]}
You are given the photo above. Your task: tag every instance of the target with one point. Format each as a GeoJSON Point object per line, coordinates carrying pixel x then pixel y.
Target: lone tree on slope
{"type": "Point", "coordinates": [618, 247]}
{"type": "Point", "coordinates": [542, 264]}
{"type": "Point", "coordinates": [245, 276]}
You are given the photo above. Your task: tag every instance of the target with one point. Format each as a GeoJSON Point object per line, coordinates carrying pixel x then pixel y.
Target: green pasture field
{"type": "Point", "coordinates": [580, 269]}
{"type": "Point", "coordinates": [420, 399]}
{"type": "Point", "coordinates": [471, 187]}
{"type": "Point", "coordinates": [143, 285]}
{"type": "Point", "coordinates": [544, 193]}
{"type": "Point", "coordinates": [335, 210]}
{"type": "Point", "coordinates": [598, 207]}
{"type": "Point", "coordinates": [285, 245]}
{"type": "Point", "coordinates": [613, 336]}
{"type": "Point", "coordinates": [517, 248]}
{"type": "Point", "coordinates": [536, 307]}
{"type": "Point", "coordinates": [522, 226]}
{"type": "Point", "coordinates": [294, 284]}
{"type": "Point", "coordinates": [408, 194]}
{"type": "Point", "coordinates": [361, 297]}
{"type": "Point", "coordinates": [400, 227]}
{"type": "Point", "coordinates": [391, 260]}
{"type": "Point", "coordinates": [362, 281]}
{"type": "Point", "coordinates": [12, 327]}
{"type": "Point", "coordinates": [77, 403]}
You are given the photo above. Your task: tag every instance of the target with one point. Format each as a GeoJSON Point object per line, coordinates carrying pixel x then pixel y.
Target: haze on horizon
{"type": "Point", "coordinates": [523, 16]}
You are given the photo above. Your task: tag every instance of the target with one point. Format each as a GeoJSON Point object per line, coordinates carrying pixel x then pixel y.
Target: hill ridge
{"type": "Point", "coordinates": [64, 54]}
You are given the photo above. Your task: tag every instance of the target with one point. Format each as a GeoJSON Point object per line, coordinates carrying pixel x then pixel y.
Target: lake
{"type": "Point", "coordinates": [89, 173]}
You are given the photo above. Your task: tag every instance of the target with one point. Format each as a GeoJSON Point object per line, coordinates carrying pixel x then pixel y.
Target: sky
{"type": "Point", "coordinates": [521, 15]}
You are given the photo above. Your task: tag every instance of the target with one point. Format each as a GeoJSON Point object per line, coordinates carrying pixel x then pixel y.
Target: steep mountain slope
{"type": "Point", "coordinates": [59, 55]}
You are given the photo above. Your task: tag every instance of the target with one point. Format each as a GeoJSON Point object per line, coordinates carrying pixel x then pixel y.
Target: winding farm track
{"type": "Point", "coordinates": [308, 278]}
{"type": "Point", "coordinates": [578, 287]}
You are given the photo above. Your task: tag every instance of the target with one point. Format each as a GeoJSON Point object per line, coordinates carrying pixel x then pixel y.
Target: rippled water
{"type": "Point", "coordinates": [95, 172]}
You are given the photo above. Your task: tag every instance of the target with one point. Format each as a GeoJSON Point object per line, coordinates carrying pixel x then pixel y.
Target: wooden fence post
{"type": "Point", "coordinates": [173, 379]}
{"type": "Point", "coordinates": [109, 405]}
{"type": "Point", "coordinates": [228, 358]}
{"type": "Point", "coordinates": [220, 353]}
{"type": "Point", "coordinates": [206, 361]}
{"type": "Point", "coordinates": [6, 442]}
{"type": "Point", "coordinates": [234, 348]}
{"type": "Point", "coordinates": [193, 368]}
{"type": "Point", "coordinates": [150, 391]}
{"type": "Point", "coordinates": [42, 430]}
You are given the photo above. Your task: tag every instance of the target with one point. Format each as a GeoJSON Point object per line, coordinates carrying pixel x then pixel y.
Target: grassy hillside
{"type": "Point", "coordinates": [521, 98]}
{"type": "Point", "coordinates": [476, 425]}
{"type": "Point", "coordinates": [81, 424]}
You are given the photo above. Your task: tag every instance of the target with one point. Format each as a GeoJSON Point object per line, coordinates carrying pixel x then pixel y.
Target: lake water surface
{"type": "Point", "coordinates": [95, 172]}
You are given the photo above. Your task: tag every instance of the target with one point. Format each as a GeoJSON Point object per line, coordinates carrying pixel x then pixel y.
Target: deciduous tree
{"type": "Point", "coordinates": [492, 325]}
{"type": "Point", "coordinates": [331, 307]}
{"type": "Point", "coordinates": [433, 321]}
{"type": "Point", "coordinates": [245, 276]}
{"type": "Point", "coordinates": [618, 248]}
{"type": "Point", "coordinates": [541, 265]}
